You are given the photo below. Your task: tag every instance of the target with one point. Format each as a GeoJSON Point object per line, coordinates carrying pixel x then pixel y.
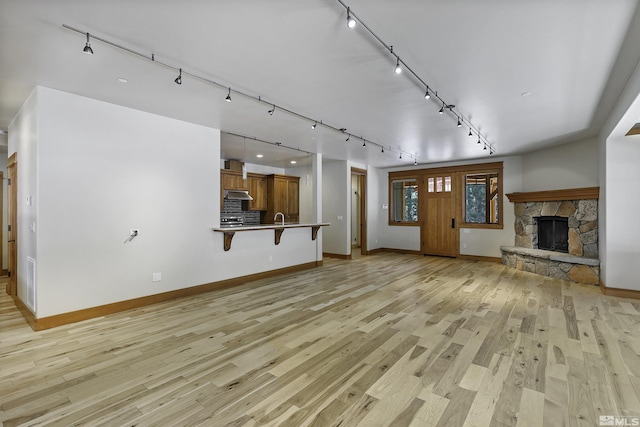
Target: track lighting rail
{"type": "Point", "coordinates": [183, 72]}
{"type": "Point", "coordinates": [429, 93]}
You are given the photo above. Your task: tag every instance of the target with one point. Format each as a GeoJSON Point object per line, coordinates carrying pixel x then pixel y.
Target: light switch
{"type": "Point", "coordinates": [339, 217]}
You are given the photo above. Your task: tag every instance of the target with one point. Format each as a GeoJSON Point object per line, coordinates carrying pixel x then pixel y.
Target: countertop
{"type": "Point", "coordinates": [233, 228]}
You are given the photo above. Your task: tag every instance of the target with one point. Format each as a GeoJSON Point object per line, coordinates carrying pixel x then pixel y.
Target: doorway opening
{"type": "Point", "coordinates": [358, 211]}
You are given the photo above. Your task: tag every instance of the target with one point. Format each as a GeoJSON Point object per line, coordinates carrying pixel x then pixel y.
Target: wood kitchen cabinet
{"type": "Point", "coordinates": [232, 180]}
{"type": "Point", "coordinates": [257, 190]}
{"type": "Point", "coordinates": [283, 195]}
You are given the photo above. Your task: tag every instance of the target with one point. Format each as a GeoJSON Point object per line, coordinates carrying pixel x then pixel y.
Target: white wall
{"type": "Point", "coordinates": [479, 242]}
{"type": "Point", "coordinates": [573, 165]}
{"type": "Point", "coordinates": [102, 169]}
{"type": "Point", "coordinates": [623, 226]}
{"type": "Point", "coordinates": [3, 168]}
{"type": "Point", "coordinates": [336, 178]}
{"type": "Point", "coordinates": [23, 138]}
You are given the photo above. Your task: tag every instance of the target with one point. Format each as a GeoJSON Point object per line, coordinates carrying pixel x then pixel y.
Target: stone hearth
{"type": "Point", "coordinates": [580, 207]}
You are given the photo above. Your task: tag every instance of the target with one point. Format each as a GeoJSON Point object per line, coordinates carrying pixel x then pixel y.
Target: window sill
{"type": "Point", "coordinates": [404, 224]}
{"type": "Point", "coordinates": [487, 226]}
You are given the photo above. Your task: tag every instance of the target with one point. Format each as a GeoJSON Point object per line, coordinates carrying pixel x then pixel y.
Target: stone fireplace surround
{"type": "Point", "coordinates": [580, 207]}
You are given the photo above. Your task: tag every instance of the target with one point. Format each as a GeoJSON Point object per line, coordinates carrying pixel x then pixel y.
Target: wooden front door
{"type": "Point", "coordinates": [12, 207]}
{"type": "Point", "coordinates": [438, 227]}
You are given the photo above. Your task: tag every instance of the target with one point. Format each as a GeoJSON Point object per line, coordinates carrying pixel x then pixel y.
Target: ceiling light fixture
{"type": "Point", "coordinates": [478, 139]}
{"type": "Point", "coordinates": [348, 138]}
{"type": "Point", "coordinates": [123, 80]}
{"type": "Point", "coordinates": [441, 110]}
{"type": "Point", "coordinates": [228, 98]}
{"type": "Point", "coordinates": [415, 161]}
{"type": "Point", "coordinates": [470, 134]}
{"type": "Point", "coordinates": [203, 79]}
{"type": "Point", "coordinates": [400, 67]}
{"type": "Point", "coordinates": [259, 156]}
{"type": "Point", "coordinates": [293, 162]}
{"type": "Point", "coordinates": [87, 47]}
{"type": "Point", "coordinates": [401, 155]}
{"type": "Point", "coordinates": [459, 123]}
{"type": "Point", "coordinates": [350, 21]}
{"type": "Point", "coordinates": [313, 126]}
{"type": "Point", "coordinates": [382, 150]}
{"type": "Point", "coordinates": [364, 142]}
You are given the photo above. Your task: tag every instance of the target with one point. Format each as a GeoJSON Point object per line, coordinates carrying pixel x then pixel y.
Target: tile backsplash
{"type": "Point", "coordinates": [234, 208]}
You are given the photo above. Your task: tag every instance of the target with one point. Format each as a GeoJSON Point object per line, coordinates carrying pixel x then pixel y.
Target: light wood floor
{"type": "Point", "coordinates": [388, 339]}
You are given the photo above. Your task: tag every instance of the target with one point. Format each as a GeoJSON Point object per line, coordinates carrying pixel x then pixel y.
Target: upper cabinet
{"type": "Point", "coordinates": [232, 180]}
{"type": "Point", "coordinates": [283, 195]}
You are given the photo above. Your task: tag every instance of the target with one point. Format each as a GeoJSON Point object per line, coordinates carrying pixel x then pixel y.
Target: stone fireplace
{"type": "Point", "coordinates": [574, 257]}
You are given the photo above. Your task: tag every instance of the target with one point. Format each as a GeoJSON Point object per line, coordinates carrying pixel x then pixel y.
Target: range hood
{"type": "Point", "coordinates": [237, 195]}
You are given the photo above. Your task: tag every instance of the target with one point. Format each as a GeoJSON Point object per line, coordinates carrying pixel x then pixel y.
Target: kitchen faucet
{"type": "Point", "coordinates": [276, 216]}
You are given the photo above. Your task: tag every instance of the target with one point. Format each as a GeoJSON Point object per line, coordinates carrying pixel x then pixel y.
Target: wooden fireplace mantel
{"type": "Point", "coordinates": [586, 193]}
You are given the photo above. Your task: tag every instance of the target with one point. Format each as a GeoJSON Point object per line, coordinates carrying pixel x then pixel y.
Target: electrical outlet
{"type": "Point", "coordinates": [156, 277]}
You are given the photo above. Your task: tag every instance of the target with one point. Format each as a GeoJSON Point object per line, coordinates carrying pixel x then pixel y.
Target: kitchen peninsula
{"type": "Point", "coordinates": [230, 231]}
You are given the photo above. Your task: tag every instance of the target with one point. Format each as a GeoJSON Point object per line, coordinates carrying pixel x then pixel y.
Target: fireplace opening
{"type": "Point", "coordinates": [553, 233]}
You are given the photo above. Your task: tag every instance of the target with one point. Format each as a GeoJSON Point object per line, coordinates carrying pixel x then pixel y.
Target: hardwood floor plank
{"type": "Point", "coordinates": [388, 339]}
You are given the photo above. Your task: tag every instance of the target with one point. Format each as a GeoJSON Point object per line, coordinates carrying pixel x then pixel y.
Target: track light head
{"type": "Point", "coordinates": [350, 21]}
{"type": "Point", "coordinates": [382, 150]}
{"type": "Point", "coordinates": [470, 134]}
{"type": "Point", "coordinates": [272, 110]}
{"type": "Point", "coordinates": [427, 95]}
{"type": "Point", "coordinates": [415, 161]}
{"type": "Point", "coordinates": [478, 139]}
{"type": "Point", "coordinates": [348, 138]}
{"type": "Point", "coordinates": [178, 79]}
{"type": "Point", "coordinates": [364, 142]}
{"type": "Point", "coordinates": [441, 110]}
{"type": "Point", "coordinates": [400, 156]}
{"type": "Point", "coordinates": [459, 123]}
{"type": "Point", "coordinates": [313, 126]}
{"type": "Point", "coordinates": [485, 147]}
{"type": "Point", "coordinates": [228, 98]}
{"type": "Point", "coordinates": [87, 47]}
{"type": "Point", "coordinates": [398, 68]}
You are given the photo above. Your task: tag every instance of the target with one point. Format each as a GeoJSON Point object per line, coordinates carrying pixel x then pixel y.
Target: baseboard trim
{"type": "Point", "coordinates": [398, 251]}
{"type": "Point", "coordinates": [336, 256]}
{"type": "Point", "coordinates": [617, 292]}
{"type": "Point", "coordinates": [116, 307]}
{"type": "Point", "coordinates": [480, 258]}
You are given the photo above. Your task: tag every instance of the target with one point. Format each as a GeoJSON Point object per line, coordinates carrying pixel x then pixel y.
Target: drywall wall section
{"type": "Point", "coordinates": [573, 165]}
{"type": "Point", "coordinates": [621, 213]}
{"type": "Point", "coordinates": [335, 207]}
{"type": "Point", "coordinates": [104, 169]}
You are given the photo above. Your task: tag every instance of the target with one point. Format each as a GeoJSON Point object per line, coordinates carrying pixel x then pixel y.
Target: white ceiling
{"type": "Point", "coordinates": [479, 55]}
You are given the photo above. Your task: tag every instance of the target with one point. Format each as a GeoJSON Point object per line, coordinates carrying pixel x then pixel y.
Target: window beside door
{"type": "Point", "coordinates": [403, 209]}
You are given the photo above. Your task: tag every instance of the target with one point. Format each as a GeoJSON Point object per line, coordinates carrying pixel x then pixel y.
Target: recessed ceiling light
{"type": "Point", "coordinates": [259, 156]}
{"type": "Point", "coordinates": [293, 162]}
{"type": "Point", "coordinates": [123, 80]}
{"type": "Point", "coordinates": [525, 94]}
